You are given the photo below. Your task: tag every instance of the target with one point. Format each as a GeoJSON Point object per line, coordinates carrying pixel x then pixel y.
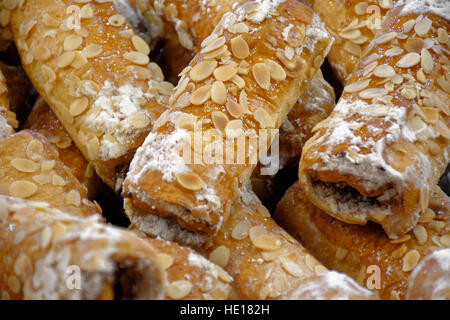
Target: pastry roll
{"type": "Point", "coordinates": [48, 254]}
{"type": "Point", "coordinates": [7, 118]}
{"type": "Point", "coordinates": [43, 120]}
{"type": "Point", "coordinates": [30, 168]}
{"type": "Point", "coordinates": [430, 280]}
{"type": "Point", "coordinates": [267, 263]}
{"type": "Point", "coordinates": [365, 252]}
{"type": "Point", "coordinates": [224, 95]}
{"type": "Point", "coordinates": [76, 68]}
{"type": "Point", "coordinates": [386, 144]}
{"type": "Point", "coordinates": [353, 25]}
{"type": "Point", "coordinates": [314, 105]}
{"type": "Point", "coordinates": [189, 276]}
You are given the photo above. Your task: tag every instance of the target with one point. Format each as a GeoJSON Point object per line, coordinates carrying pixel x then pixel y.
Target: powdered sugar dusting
{"type": "Point", "coordinates": [332, 285]}
{"type": "Point", "coordinates": [315, 31]}
{"type": "Point", "coordinates": [437, 7]}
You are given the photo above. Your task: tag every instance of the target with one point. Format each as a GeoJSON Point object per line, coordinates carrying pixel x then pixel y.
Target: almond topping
{"type": "Point", "coordinates": [179, 289]}
{"type": "Point", "coordinates": [79, 106]}
{"type": "Point", "coordinates": [213, 45]}
{"type": "Point", "coordinates": [361, 8]}
{"type": "Point", "coordinates": [421, 234]}
{"type": "Point", "coordinates": [34, 150]}
{"type": "Point", "coordinates": [263, 240]}
{"type": "Point", "coordinates": [91, 51]}
{"type": "Point", "coordinates": [445, 240]}
{"type": "Point", "coordinates": [225, 73]}
{"type": "Point", "coordinates": [442, 36]}
{"type": "Point", "coordinates": [264, 118]}
{"type": "Point", "coordinates": [233, 129]}
{"type": "Point", "coordinates": [72, 42]}
{"type": "Point", "coordinates": [352, 48]}
{"type": "Point", "coordinates": [384, 71]}
{"type": "Point", "coordinates": [424, 199]}
{"type": "Point", "coordinates": [201, 95]}
{"type": "Point", "coordinates": [291, 267]}
{"type": "Point", "coordinates": [426, 61]}
{"type": "Point", "coordinates": [220, 120]}
{"type": "Point", "coordinates": [410, 260]}
{"type": "Point", "coordinates": [65, 59]}
{"type": "Point", "coordinates": [276, 70]}
{"type": "Point", "coordinates": [234, 108]}
{"type": "Point", "coordinates": [137, 57]}
{"type": "Point", "coordinates": [409, 60]}
{"type": "Point", "coordinates": [116, 20]}
{"type": "Point", "coordinates": [73, 198]}
{"type": "Point", "coordinates": [219, 92]}
{"type": "Point", "coordinates": [140, 45]}
{"type": "Point", "coordinates": [165, 261]}
{"type": "Point", "coordinates": [22, 189]}
{"type": "Point", "coordinates": [190, 181]}
{"type": "Point", "coordinates": [431, 115]}
{"type": "Point", "coordinates": [385, 37]}
{"type": "Point", "coordinates": [220, 256]}
{"type": "Point", "coordinates": [139, 120]}
{"type": "Point", "coordinates": [240, 230]}
{"type": "Point", "coordinates": [239, 48]}
{"type": "Point", "coordinates": [262, 75]}
{"type": "Point", "coordinates": [24, 165]}
{"type": "Point", "coordinates": [357, 86]}
{"type": "Point", "coordinates": [203, 70]}
{"type": "Point", "coordinates": [423, 26]}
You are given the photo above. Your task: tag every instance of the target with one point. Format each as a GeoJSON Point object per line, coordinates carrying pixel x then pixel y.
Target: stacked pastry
{"type": "Point", "coordinates": [379, 156]}
{"type": "Point", "coordinates": [240, 70]}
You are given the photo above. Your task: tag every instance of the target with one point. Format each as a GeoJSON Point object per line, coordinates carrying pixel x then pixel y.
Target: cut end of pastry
{"type": "Point", "coordinates": [168, 229]}
{"type": "Point", "coordinates": [136, 279]}
{"type": "Point", "coordinates": [347, 204]}
{"type": "Point", "coordinates": [131, 278]}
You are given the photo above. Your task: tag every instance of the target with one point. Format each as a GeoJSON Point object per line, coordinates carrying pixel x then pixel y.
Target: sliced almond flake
{"type": "Point", "coordinates": [233, 129]}
{"type": "Point", "coordinates": [291, 267]}
{"type": "Point", "coordinates": [372, 93]}
{"type": "Point", "coordinates": [352, 48]}
{"type": "Point", "coordinates": [385, 37]}
{"type": "Point", "coordinates": [394, 51]}
{"type": "Point", "coordinates": [351, 34]}
{"type": "Point", "coordinates": [408, 25]}
{"type": "Point", "coordinates": [410, 260]}
{"type": "Point", "coordinates": [409, 60]}
{"type": "Point", "coordinates": [190, 181]}
{"type": "Point", "coordinates": [361, 8]}
{"type": "Point", "coordinates": [384, 71]}
{"type": "Point", "coordinates": [426, 61]}
{"type": "Point", "coordinates": [201, 95]}
{"type": "Point", "coordinates": [220, 256]}
{"type": "Point", "coordinates": [423, 26]}
{"type": "Point", "coordinates": [421, 234]}
{"type": "Point", "coordinates": [357, 86]}
{"type": "Point", "coordinates": [442, 36]}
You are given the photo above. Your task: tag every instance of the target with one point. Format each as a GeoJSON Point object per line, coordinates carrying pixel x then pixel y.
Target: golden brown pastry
{"type": "Point", "coordinates": [43, 120]}
{"type": "Point", "coordinates": [430, 280]}
{"type": "Point", "coordinates": [48, 254]}
{"type": "Point", "coordinates": [267, 263]}
{"type": "Point", "coordinates": [189, 276]}
{"type": "Point", "coordinates": [386, 144]}
{"type": "Point", "coordinates": [227, 94]}
{"type": "Point", "coordinates": [353, 24]}
{"type": "Point", "coordinates": [365, 252]}
{"type": "Point", "coordinates": [76, 69]}
{"type": "Point", "coordinates": [30, 168]}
